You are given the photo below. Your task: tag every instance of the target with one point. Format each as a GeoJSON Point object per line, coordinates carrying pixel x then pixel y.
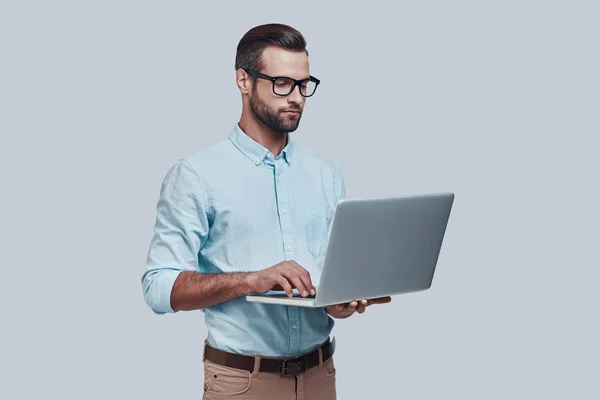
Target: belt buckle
{"type": "Point", "coordinates": [296, 366]}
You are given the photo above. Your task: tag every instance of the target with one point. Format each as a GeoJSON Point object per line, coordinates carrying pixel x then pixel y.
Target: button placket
{"type": "Point", "coordinates": [283, 207]}
{"type": "Point", "coordinates": [287, 240]}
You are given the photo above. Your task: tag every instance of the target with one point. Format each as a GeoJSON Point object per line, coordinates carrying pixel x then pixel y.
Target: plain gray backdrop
{"type": "Point", "coordinates": [497, 102]}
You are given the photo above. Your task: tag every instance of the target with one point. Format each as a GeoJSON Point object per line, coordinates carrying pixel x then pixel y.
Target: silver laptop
{"type": "Point", "coordinates": [377, 248]}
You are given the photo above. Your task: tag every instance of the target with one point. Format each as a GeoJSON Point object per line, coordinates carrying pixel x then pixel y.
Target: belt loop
{"type": "Point", "coordinates": [204, 350]}
{"type": "Point", "coordinates": [320, 350]}
{"type": "Point", "coordinates": [256, 366]}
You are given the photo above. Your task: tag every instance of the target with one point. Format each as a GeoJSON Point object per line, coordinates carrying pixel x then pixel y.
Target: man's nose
{"type": "Point", "coordinates": [295, 96]}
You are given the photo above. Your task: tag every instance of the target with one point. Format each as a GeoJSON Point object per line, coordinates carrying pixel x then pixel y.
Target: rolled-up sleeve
{"type": "Point", "coordinates": [180, 231]}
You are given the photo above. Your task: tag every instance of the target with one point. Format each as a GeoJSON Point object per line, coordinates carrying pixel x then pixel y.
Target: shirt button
{"type": "Point", "coordinates": [289, 248]}
{"type": "Point", "coordinates": [284, 212]}
{"type": "Point", "coordinates": [294, 326]}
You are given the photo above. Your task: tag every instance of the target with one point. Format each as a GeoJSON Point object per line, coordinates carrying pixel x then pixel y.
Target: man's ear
{"type": "Point", "coordinates": [243, 81]}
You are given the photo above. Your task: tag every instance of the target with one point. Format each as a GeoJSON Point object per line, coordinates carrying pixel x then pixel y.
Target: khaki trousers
{"type": "Point", "coordinates": [316, 383]}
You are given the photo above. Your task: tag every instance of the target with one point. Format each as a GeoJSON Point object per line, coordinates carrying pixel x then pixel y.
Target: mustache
{"type": "Point", "coordinates": [292, 109]}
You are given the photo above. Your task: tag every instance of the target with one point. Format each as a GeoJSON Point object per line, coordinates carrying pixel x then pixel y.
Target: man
{"type": "Point", "coordinates": [252, 213]}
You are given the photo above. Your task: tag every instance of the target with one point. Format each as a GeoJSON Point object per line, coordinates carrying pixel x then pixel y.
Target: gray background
{"type": "Point", "coordinates": [497, 103]}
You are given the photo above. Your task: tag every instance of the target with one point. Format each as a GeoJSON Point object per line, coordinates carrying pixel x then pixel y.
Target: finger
{"type": "Point", "coordinates": [380, 300]}
{"type": "Point", "coordinates": [351, 308]}
{"type": "Point", "coordinates": [339, 307]}
{"type": "Point", "coordinates": [305, 276]}
{"type": "Point", "coordinates": [297, 282]}
{"type": "Point", "coordinates": [285, 285]}
{"type": "Point", "coordinates": [277, 287]}
{"type": "Point", "coordinates": [362, 306]}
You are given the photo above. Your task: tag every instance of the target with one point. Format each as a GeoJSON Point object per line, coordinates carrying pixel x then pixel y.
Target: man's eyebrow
{"type": "Point", "coordinates": [301, 79]}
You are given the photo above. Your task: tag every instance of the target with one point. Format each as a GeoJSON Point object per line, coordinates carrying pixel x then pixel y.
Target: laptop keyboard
{"type": "Point", "coordinates": [296, 296]}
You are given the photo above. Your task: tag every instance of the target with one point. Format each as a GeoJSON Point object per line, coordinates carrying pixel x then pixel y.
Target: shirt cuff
{"type": "Point", "coordinates": [157, 289]}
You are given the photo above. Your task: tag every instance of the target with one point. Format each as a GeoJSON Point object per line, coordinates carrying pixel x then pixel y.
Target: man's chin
{"type": "Point", "coordinates": [290, 130]}
{"type": "Point", "coordinates": [290, 127]}
{"type": "Point", "coordinates": [282, 131]}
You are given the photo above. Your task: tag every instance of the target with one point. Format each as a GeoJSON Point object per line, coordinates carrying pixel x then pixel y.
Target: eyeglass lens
{"type": "Point", "coordinates": [283, 87]}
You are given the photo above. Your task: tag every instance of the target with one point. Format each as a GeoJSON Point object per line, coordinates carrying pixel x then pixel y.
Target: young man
{"type": "Point", "coordinates": [252, 213]}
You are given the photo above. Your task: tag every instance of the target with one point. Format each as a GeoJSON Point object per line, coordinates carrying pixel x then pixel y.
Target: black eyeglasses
{"type": "Point", "coordinates": [283, 85]}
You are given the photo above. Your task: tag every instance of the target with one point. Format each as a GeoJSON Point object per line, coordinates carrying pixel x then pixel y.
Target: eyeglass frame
{"type": "Point", "coordinates": [297, 82]}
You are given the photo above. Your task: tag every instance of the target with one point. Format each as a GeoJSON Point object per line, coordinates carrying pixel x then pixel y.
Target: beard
{"type": "Point", "coordinates": [276, 120]}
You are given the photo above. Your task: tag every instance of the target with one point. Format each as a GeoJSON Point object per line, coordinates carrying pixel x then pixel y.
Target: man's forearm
{"type": "Point", "coordinates": [193, 291]}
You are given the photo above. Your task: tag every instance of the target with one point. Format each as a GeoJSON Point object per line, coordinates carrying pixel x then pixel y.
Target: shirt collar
{"type": "Point", "coordinates": [254, 151]}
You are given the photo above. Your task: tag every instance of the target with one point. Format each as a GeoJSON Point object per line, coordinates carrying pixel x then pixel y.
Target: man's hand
{"type": "Point", "coordinates": [284, 276]}
{"type": "Point", "coordinates": [345, 310]}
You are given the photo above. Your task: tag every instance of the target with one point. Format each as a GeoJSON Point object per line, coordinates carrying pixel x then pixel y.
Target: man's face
{"type": "Point", "coordinates": [276, 111]}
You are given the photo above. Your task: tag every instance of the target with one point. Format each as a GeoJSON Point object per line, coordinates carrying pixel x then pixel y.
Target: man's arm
{"type": "Point", "coordinates": [193, 291]}
{"type": "Point", "coordinates": [180, 231]}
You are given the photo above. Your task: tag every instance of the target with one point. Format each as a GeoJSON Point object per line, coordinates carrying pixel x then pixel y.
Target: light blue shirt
{"type": "Point", "coordinates": [233, 207]}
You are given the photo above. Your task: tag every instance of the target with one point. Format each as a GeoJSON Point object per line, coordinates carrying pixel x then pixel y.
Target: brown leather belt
{"type": "Point", "coordinates": [282, 366]}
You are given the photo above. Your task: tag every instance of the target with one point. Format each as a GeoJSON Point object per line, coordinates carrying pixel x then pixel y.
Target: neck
{"type": "Point", "coordinates": [261, 134]}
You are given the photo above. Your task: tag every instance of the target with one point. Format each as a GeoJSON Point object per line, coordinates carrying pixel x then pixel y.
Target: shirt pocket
{"type": "Point", "coordinates": [317, 222]}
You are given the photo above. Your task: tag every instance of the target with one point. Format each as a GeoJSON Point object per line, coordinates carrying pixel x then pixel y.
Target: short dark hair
{"type": "Point", "coordinates": [252, 44]}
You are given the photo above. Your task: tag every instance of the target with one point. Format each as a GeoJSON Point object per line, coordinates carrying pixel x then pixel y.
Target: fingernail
{"type": "Point", "coordinates": [305, 293]}
{"type": "Point", "coordinates": [313, 292]}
